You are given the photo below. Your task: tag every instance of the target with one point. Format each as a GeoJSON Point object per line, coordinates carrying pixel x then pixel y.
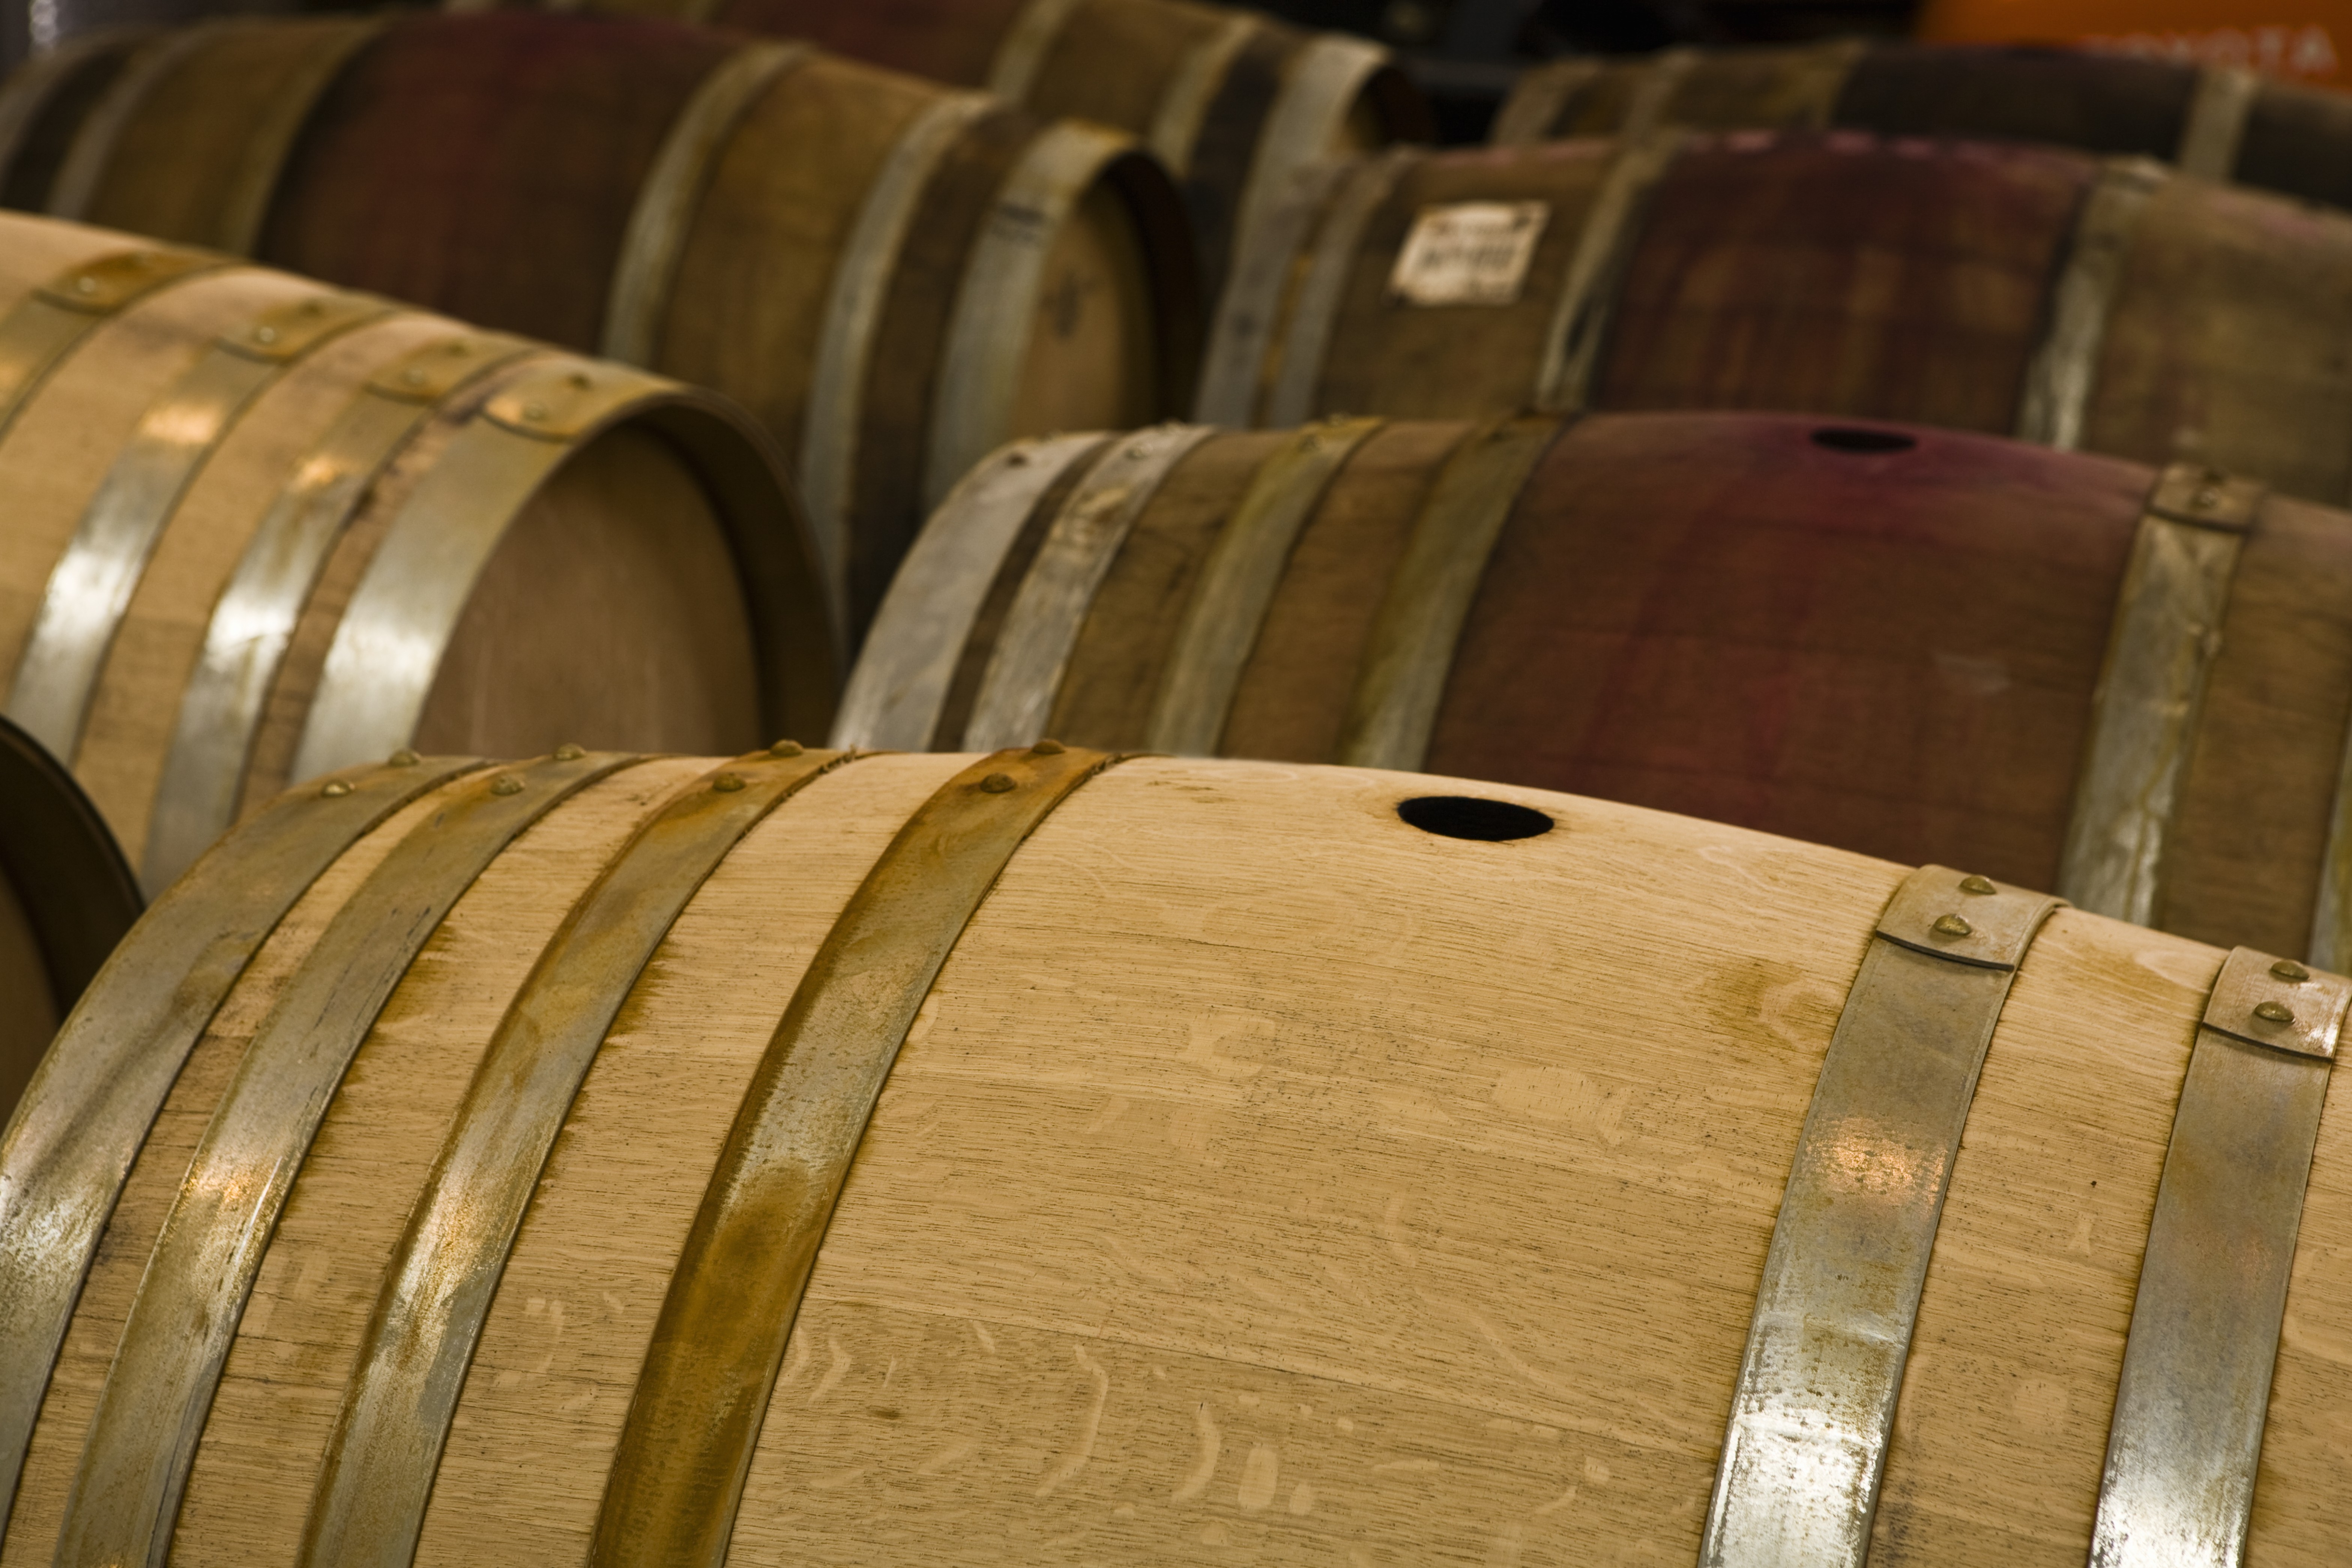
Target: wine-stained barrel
{"type": "Point", "coordinates": [894, 277]}
{"type": "Point", "coordinates": [2128, 685]}
{"type": "Point", "coordinates": [2105, 306]}
{"type": "Point", "coordinates": [253, 528]}
{"type": "Point", "coordinates": [1045, 1155]}
{"type": "Point", "coordinates": [2222, 122]}
{"type": "Point", "coordinates": [66, 896]}
{"type": "Point", "coordinates": [1233, 100]}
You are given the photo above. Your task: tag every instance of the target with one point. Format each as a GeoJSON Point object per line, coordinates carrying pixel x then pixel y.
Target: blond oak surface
{"type": "Point", "coordinates": [1264, 1180]}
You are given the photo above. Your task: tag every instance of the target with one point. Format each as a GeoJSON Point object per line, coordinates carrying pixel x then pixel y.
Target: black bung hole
{"type": "Point", "coordinates": [1466, 816]}
{"type": "Point", "coordinates": [1846, 438]}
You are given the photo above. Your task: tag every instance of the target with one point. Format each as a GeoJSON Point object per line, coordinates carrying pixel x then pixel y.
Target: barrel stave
{"type": "Point", "coordinates": [2064, 97]}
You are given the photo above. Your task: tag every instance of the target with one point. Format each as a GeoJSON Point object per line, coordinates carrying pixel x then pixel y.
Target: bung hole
{"type": "Point", "coordinates": [1467, 816]}
{"type": "Point", "coordinates": [1848, 438]}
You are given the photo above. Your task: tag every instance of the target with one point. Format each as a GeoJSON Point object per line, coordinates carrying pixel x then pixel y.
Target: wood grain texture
{"type": "Point", "coordinates": [1262, 1177]}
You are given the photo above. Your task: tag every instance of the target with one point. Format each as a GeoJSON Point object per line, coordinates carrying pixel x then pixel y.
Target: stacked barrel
{"type": "Point", "coordinates": [975, 783]}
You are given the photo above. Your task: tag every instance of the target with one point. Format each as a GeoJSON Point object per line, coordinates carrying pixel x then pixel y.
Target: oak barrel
{"type": "Point", "coordinates": [66, 896]}
{"type": "Point", "coordinates": [257, 527]}
{"type": "Point", "coordinates": [1319, 1164]}
{"type": "Point", "coordinates": [1917, 644]}
{"type": "Point", "coordinates": [2222, 122]}
{"type": "Point", "coordinates": [1233, 100]}
{"type": "Point", "coordinates": [894, 277]}
{"type": "Point", "coordinates": [2109, 307]}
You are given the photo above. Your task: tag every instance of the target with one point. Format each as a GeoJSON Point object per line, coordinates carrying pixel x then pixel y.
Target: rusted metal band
{"type": "Point", "coordinates": [90, 587]}
{"type": "Point", "coordinates": [387, 646]}
{"type": "Point", "coordinates": [71, 1143]}
{"type": "Point", "coordinates": [1653, 92]}
{"type": "Point", "coordinates": [2216, 123]}
{"type": "Point", "coordinates": [2059, 377]}
{"type": "Point", "coordinates": [894, 694]}
{"type": "Point", "coordinates": [1033, 652]}
{"type": "Point", "coordinates": [150, 1413]}
{"type": "Point", "coordinates": [90, 155]}
{"type": "Point", "coordinates": [2187, 1437]}
{"type": "Point", "coordinates": [1234, 370]}
{"type": "Point", "coordinates": [654, 240]}
{"type": "Point", "coordinates": [244, 205]}
{"type": "Point", "coordinates": [1306, 335]}
{"type": "Point", "coordinates": [1022, 54]}
{"type": "Point", "coordinates": [1587, 292]}
{"type": "Point", "coordinates": [995, 313]}
{"type": "Point", "coordinates": [1409, 653]}
{"type": "Point", "coordinates": [1798, 1479]}
{"type": "Point", "coordinates": [446, 1267]}
{"type": "Point", "coordinates": [1320, 85]}
{"type": "Point", "coordinates": [1237, 584]}
{"type": "Point", "coordinates": [47, 325]}
{"type": "Point", "coordinates": [2151, 692]}
{"type": "Point", "coordinates": [1183, 105]}
{"type": "Point", "coordinates": [1541, 98]}
{"type": "Point", "coordinates": [853, 314]}
{"type": "Point", "coordinates": [253, 621]}
{"type": "Point", "coordinates": [695, 1418]}
{"type": "Point", "coordinates": [29, 90]}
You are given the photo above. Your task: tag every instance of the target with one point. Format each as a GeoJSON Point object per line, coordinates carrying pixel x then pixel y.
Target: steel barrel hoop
{"type": "Point", "coordinates": [1588, 294]}
{"type": "Point", "coordinates": [1022, 54]}
{"type": "Point", "coordinates": [1814, 1411]}
{"type": "Point", "coordinates": [91, 153]}
{"type": "Point", "coordinates": [46, 326]}
{"type": "Point", "coordinates": [2062, 376]}
{"type": "Point", "coordinates": [695, 1417]}
{"type": "Point", "coordinates": [1540, 98]}
{"type": "Point", "coordinates": [1306, 335]}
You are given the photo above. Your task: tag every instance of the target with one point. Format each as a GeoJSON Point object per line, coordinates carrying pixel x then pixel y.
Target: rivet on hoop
{"type": "Point", "coordinates": [997, 784]}
{"type": "Point", "coordinates": [1138, 450]}
{"type": "Point", "coordinates": [2274, 1012]}
{"type": "Point", "coordinates": [1978, 885]}
{"type": "Point", "coordinates": [580, 380]}
{"type": "Point", "coordinates": [534, 410]}
{"type": "Point", "coordinates": [1952, 925]}
{"type": "Point", "coordinates": [412, 377]}
{"type": "Point", "coordinates": [786, 749]}
{"type": "Point", "coordinates": [2288, 969]}
{"type": "Point", "coordinates": [1047, 749]}
{"type": "Point", "coordinates": [335, 789]}
{"type": "Point", "coordinates": [567, 753]}
{"type": "Point", "coordinates": [85, 284]}
{"type": "Point", "coordinates": [265, 335]}
{"type": "Point", "coordinates": [506, 784]}
{"type": "Point", "coordinates": [2207, 499]}
{"type": "Point", "coordinates": [1016, 460]}
{"type": "Point", "coordinates": [402, 758]}
{"type": "Point", "coordinates": [728, 783]}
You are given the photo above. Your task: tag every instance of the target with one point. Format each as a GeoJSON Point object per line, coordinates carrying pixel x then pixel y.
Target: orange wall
{"type": "Point", "coordinates": [2305, 40]}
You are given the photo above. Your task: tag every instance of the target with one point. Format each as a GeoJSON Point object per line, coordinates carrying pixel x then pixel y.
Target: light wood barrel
{"type": "Point", "coordinates": [66, 896]}
{"type": "Point", "coordinates": [1231, 1165]}
{"type": "Point", "coordinates": [2107, 307]}
{"type": "Point", "coordinates": [2224, 123]}
{"type": "Point", "coordinates": [1233, 100]}
{"type": "Point", "coordinates": [893, 277]}
{"type": "Point", "coordinates": [1911, 643]}
{"type": "Point", "coordinates": [256, 528]}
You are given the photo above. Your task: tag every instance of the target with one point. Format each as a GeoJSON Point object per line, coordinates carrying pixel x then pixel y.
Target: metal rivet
{"type": "Point", "coordinates": [786, 749]}
{"type": "Point", "coordinates": [402, 758]}
{"type": "Point", "coordinates": [567, 753]}
{"type": "Point", "coordinates": [1952, 925]}
{"type": "Point", "coordinates": [461, 347]}
{"type": "Point", "coordinates": [2207, 499]}
{"type": "Point", "coordinates": [142, 258]}
{"type": "Point", "coordinates": [580, 380]}
{"type": "Point", "coordinates": [997, 784]}
{"type": "Point", "coordinates": [265, 335]}
{"type": "Point", "coordinates": [1138, 450]}
{"type": "Point", "coordinates": [2288, 969]}
{"type": "Point", "coordinates": [2274, 1012]}
{"type": "Point", "coordinates": [1016, 460]}
{"type": "Point", "coordinates": [534, 410]}
{"type": "Point", "coordinates": [1311, 444]}
{"type": "Point", "coordinates": [85, 284]}
{"type": "Point", "coordinates": [334, 789]}
{"type": "Point", "coordinates": [728, 783]}
{"type": "Point", "coordinates": [506, 784]}
{"type": "Point", "coordinates": [1978, 885]}
{"type": "Point", "coordinates": [1047, 748]}
{"type": "Point", "coordinates": [314, 307]}
{"type": "Point", "coordinates": [412, 377]}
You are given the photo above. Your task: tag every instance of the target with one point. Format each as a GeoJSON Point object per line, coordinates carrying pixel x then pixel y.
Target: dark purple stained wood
{"type": "Point", "coordinates": [1893, 651]}
{"type": "Point", "coordinates": [487, 165]}
{"type": "Point", "coordinates": [953, 42]}
{"type": "Point", "coordinates": [2100, 103]}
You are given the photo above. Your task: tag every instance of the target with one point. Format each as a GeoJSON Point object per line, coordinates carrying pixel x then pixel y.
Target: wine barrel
{"type": "Point", "coordinates": [2220, 121]}
{"type": "Point", "coordinates": [1233, 101]}
{"type": "Point", "coordinates": [2069, 672]}
{"type": "Point", "coordinates": [67, 897]}
{"type": "Point", "coordinates": [2107, 307]}
{"type": "Point", "coordinates": [1042, 1156]}
{"type": "Point", "coordinates": [254, 528]}
{"type": "Point", "coordinates": [894, 278]}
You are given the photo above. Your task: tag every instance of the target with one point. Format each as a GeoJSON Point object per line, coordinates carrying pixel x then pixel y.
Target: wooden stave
{"type": "Point", "coordinates": [732, 474]}
{"type": "Point", "coordinates": [1735, 288]}
{"type": "Point", "coordinates": [1637, 651]}
{"type": "Point", "coordinates": [2010, 1375]}
{"type": "Point", "coordinates": [349, 205]}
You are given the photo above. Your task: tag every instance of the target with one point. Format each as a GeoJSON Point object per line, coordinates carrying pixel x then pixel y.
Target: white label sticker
{"type": "Point", "coordinates": [1468, 253]}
